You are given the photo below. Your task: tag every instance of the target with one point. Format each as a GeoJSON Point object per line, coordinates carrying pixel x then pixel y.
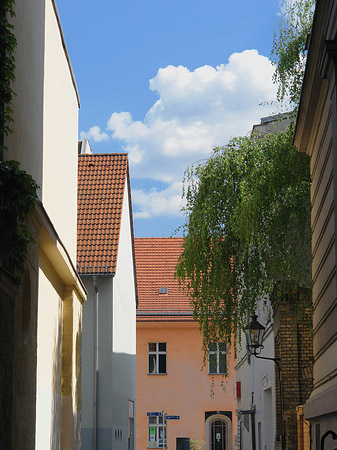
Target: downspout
{"type": "Point", "coordinates": [251, 412]}
{"type": "Point", "coordinates": [253, 430]}
{"type": "Point", "coordinates": [252, 406]}
{"type": "Point", "coordinates": [96, 365]}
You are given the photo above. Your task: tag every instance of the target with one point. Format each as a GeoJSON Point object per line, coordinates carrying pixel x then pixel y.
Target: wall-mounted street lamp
{"type": "Point", "coordinates": [254, 335]}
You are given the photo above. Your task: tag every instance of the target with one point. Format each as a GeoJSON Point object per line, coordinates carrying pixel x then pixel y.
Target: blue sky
{"type": "Point", "coordinates": [167, 80]}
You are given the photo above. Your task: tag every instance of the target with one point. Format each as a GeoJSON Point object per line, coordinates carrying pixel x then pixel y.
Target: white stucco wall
{"type": "Point", "coordinates": [124, 305]}
{"type": "Point", "coordinates": [124, 330]}
{"type": "Point", "coordinates": [60, 136]}
{"type": "Point", "coordinates": [116, 346]}
{"type": "Point", "coordinates": [45, 113]}
{"type": "Point", "coordinates": [26, 143]}
{"type": "Point", "coordinates": [257, 377]}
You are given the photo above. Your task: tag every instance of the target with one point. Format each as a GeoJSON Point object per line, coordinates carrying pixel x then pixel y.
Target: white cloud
{"type": "Point", "coordinates": [135, 154]}
{"type": "Point", "coordinates": [157, 203]}
{"type": "Point", "coordinates": [195, 111]}
{"type": "Point", "coordinates": [123, 127]}
{"type": "Point", "coordinates": [95, 134]}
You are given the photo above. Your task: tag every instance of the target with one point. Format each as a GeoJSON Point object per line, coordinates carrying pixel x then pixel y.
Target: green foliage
{"type": "Point", "coordinates": [197, 444]}
{"type": "Point", "coordinates": [7, 66]}
{"type": "Point", "coordinates": [247, 228]}
{"type": "Point", "coordinates": [289, 52]}
{"type": "Point", "coordinates": [17, 188]}
{"type": "Point", "coordinates": [17, 200]}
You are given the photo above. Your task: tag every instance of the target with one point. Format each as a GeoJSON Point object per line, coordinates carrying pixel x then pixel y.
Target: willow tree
{"type": "Point", "coordinates": [289, 48]}
{"type": "Point", "coordinates": [247, 228]}
{"type": "Point", "coordinates": [247, 210]}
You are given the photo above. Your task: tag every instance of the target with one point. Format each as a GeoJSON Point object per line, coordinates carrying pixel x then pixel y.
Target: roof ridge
{"type": "Point", "coordinates": [164, 237]}
{"type": "Point", "coordinates": [104, 154]}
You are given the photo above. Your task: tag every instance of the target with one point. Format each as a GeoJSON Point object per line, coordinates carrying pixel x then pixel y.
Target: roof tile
{"type": "Point", "coordinates": [156, 259]}
{"type": "Point", "coordinates": [101, 184]}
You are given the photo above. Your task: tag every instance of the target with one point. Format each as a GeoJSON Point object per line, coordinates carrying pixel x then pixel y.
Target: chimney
{"type": "Point", "coordinates": [84, 147]}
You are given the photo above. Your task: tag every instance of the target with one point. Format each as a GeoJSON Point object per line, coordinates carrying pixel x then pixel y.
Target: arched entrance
{"type": "Point", "coordinates": [218, 433]}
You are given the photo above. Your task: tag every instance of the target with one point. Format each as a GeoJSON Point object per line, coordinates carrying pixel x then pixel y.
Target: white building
{"type": "Point", "coordinates": [256, 390]}
{"type": "Point", "coordinates": [107, 267]}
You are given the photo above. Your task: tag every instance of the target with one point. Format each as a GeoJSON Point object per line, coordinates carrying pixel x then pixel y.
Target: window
{"type": "Point", "coordinates": [157, 357]}
{"type": "Point", "coordinates": [131, 425]}
{"type": "Point", "coordinates": [217, 358]}
{"type": "Point", "coordinates": [155, 432]}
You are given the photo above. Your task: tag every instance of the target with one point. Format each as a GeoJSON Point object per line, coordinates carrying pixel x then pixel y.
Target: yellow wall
{"type": "Point", "coordinates": [49, 358]}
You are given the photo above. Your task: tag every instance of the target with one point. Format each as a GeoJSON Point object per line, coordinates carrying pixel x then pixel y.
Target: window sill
{"type": "Point", "coordinates": [225, 373]}
{"type": "Point", "coordinates": [156, 374]}
{"type": "Point", "coordinates": [160, 446]}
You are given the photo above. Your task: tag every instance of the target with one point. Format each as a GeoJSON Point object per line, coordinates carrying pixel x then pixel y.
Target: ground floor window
{"type": "Point", "coordinates": [155, 432]}
{"type": "Point", "coordinates": [131, 425]}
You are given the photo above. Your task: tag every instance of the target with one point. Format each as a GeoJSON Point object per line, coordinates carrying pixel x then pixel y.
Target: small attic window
{"type": "Point", "coordinates": [163, 290]}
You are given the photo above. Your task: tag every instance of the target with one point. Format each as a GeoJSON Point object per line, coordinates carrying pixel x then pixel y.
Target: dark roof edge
{"type": "Point", "coordinates": [140, 313]}
{"type": "Point", "coordinates": [66, 51]}
{"type": "Point", "coordinates": [103, 154]}
{"type": "Point", "coordinates": [132, 231]}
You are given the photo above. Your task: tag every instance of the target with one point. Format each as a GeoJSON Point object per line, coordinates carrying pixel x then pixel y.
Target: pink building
{"type": "Point", "coordinates": [169, 362]}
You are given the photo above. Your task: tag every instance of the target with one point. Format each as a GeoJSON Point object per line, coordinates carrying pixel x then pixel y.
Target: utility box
{"type": "Point", "coordinates": [183, 443]}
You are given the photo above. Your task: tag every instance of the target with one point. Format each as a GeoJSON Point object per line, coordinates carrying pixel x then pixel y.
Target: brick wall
{"type": "Point", "coordinates": [303, 430]}
{"type": "Point", "coordinates": [293, 345]}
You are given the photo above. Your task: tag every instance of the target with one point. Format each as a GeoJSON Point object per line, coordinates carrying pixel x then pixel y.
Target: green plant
{"type": "Point", "coordinates": [289, 48]}
{"type": "Point", "coordinates": [247, 230]}
{"type": "Point", "coordinates": [17, 201]}
{"type": "Point", "coordinates": [18, 190]}
{"type": "Point", "coordinates": [197, 444]}
{"type": "Point", "coordinates": [7, 67]}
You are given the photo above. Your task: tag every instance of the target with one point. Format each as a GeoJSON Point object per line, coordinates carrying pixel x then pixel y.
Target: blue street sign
{"type": "Point", "coordinates": [172, 417]}
{"type": "Point", "coordinates": [153, 414]}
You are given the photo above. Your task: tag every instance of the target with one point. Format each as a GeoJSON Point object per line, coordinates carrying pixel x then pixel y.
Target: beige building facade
{"type": "Point", "coordinates": [316, 135]}
{"type": "Point", "coordinates": [44, 323]}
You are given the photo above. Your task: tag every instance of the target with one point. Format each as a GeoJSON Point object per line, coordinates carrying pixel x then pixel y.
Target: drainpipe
{"type": "Point", "coordinates": [253, 430]}
{"type": "Point", "coordinates": [251, 412]}
{"type": "Point", "coordinates": [252, 406]}
{"type": "Point", "coordinates": [96, 364]}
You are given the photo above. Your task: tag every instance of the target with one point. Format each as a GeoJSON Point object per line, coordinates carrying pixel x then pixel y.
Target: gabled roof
{"type": "Point", "coordinates": [101, 185]}
{"type": "Point", "coordinates": [156, 259]}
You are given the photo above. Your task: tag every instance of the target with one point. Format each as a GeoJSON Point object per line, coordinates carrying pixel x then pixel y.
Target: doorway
{"type": "Point", "coordinates": [215, 424]}
{"type": "Point", "coordinates": [218, 435]}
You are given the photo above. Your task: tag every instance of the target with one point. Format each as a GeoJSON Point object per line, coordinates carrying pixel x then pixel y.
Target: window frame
{"type": "Point", "coordinates": [218, 352]}
{"type": "Point", "coordinates": [157, 353]}
{"type": "Point", "coordinates": [159, 426]}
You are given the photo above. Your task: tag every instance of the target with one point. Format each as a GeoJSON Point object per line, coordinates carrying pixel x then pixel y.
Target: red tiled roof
{"type": "Point", "coordinates": [156, 259]}
{"type": "Point", "coordinates": [101, 184]}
